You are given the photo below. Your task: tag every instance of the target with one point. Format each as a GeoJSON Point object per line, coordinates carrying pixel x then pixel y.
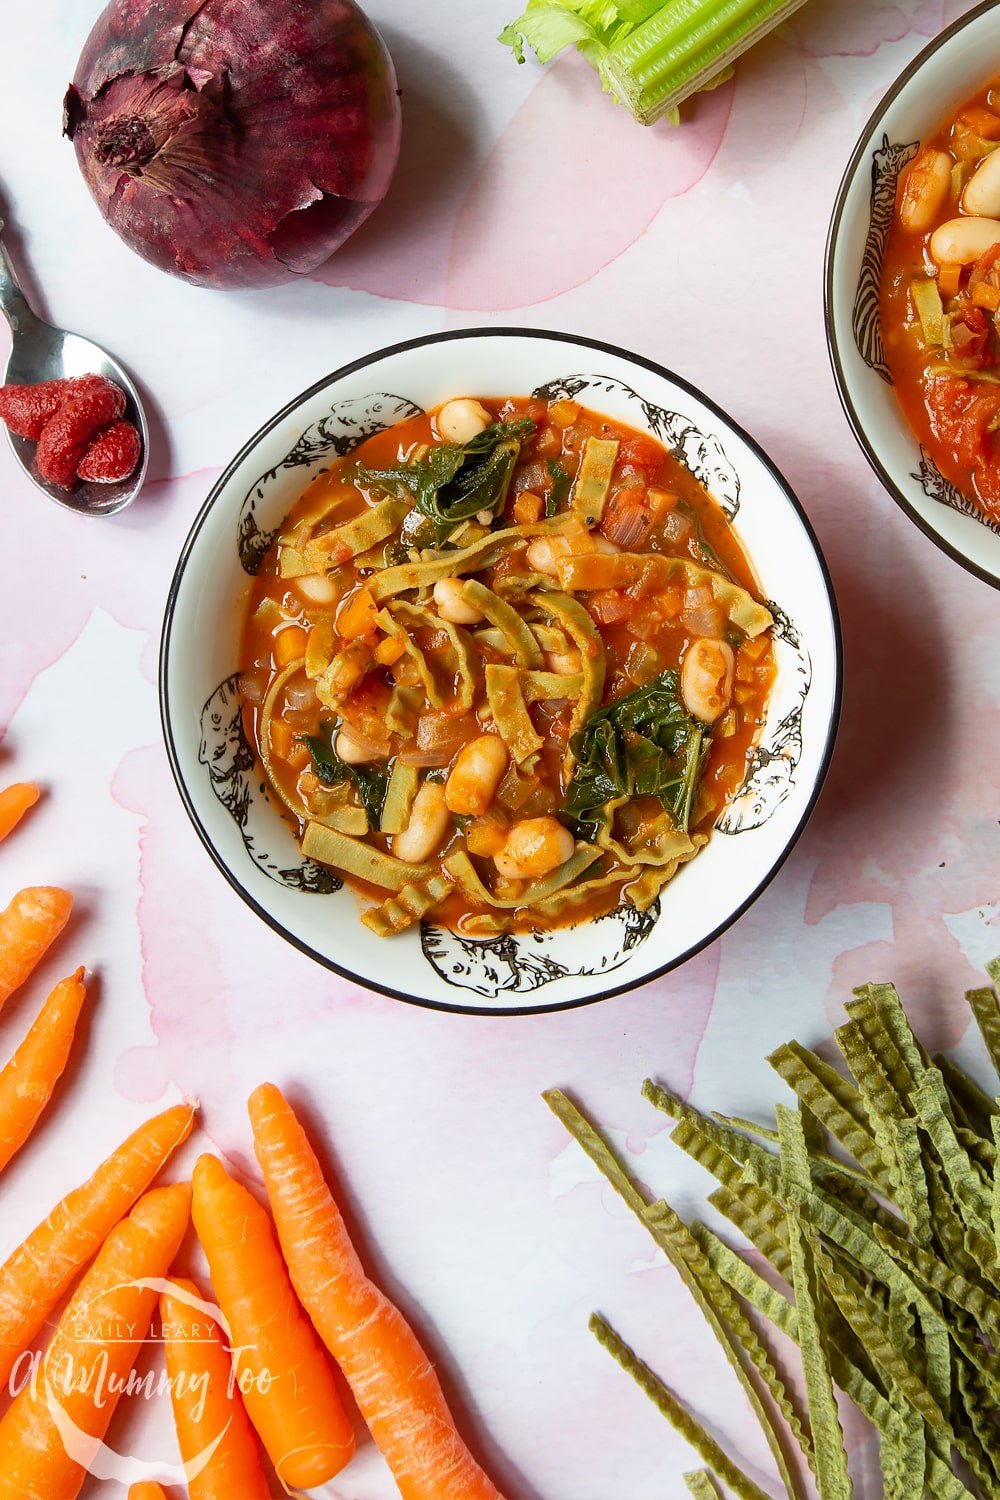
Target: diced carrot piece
{"type": "Point", "coordinates": [528, 508]}
{"type": "Point", "coordinates": [298, 757]}
{"type": "Point", "coordinates": [949, 281]}
{"type": "Point", "coordinates": [281, 738]}
{"type": "Point", "coordinates": [661, 502]}
{"type": "Point", "coordinates": [358, 616]}
{"type": "Point", "coordinates": [388, 651]}
{"type": "Point", "coordinates": [983, 121]}
{"type": "Point", "coordinates": [564, 413]}
{"type": "Point", "coordinates": [486, 837]}
{"type": "Point", "coordinates": [985, 295]}
{"type": "Point", "coordinates": [289, 644]}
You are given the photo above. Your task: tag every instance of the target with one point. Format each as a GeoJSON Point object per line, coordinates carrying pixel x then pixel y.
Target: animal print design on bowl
{"type": "Point", "coordinates": [936, 487]}
{"type": "Point", "coordinates": [346, 425]}
{"type": "Point", "coordinates": [770, 774]}
{"type": "Point", "coordinates": [516, 965]}
{"type": "Point", "coordinates": [701, 453]}
{"type": "Point", "coordinates": [228, 756]}
{"type": "Point", "coordinates": [887, 163]}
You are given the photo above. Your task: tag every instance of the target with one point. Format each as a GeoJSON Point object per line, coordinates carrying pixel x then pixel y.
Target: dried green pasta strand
{"type": "Point", "coordinates": [965, 1180]}
{"type": "Point", "coordinates": [881, 1099]}
{"type": "Point", "coordinates": [732, 1142]}
{"type": "Point", "coordinates": [830, 1167]}
{"type": "Point", "coordinates": [829, 1103]}
{"type": "Point", "coordinates": [589, 1137]}
{"type": "Point", "coordinates": [906, 1450]}
{"type": "Point", "coordinates": [979, 1108]}
{"type": "Point", "coordinates": [981, 1413]}
{"type": "Point", "coordinates": [732, 1329]}
{"type": "Point", "coordinates": [995, 1200]}
{"type": "Point", "coordinates": [736, 1273]}
{"type": "Point", "coordinates": [950, 1233]}
{"type": "Point", "coordinates": [986, 1010]}
{"type": "Point", "coordinates": [945, 1281]}
{"type": "Point", "coordinates": [859, 1313]}
{"type": "Point", "coordinates": [678, 1415]}
{"type": "Point", "coordinates": [889, 1007]}
{"type": "Point", "coordinates": [864, 1012]}
{"type": "Point", "coordinates": [702, 1486]}
{"type": "Point", "coordinates": [356, 858]}
{"type": "Point", "coordinates": [833, 1480]}
{"type": "Point", "coordinates": [539, 686]}
{"type": "Point", "coordinates": [912, 1195]}
{"type": "Point", "coordinates": [516, 631]}
{"type": "Point", "coordinates": [759, 1217]}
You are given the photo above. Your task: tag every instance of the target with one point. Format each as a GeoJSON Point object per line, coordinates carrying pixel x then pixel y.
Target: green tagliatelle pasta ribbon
{"type": "Point", "coordinates": [464, 662]}
{"type": "Point", "coordinates": [417, 575]}
{"type": "Point", "coordinates": [361, 860]}
{"type": "Point", "coordinates": [463, 872]}
{"type": "Point", "coordinates": [516, 632]}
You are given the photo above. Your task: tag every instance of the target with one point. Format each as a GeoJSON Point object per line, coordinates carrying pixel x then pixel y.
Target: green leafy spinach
{"type": "Point", "coordinates": [455, 481]}
{"type": "Point", "coordinates": [643, 745]}
{"type": "Point", "coordinates": [372, 782]}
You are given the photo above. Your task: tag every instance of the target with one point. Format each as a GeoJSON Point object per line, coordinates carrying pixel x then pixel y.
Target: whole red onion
{"type": "Point", "coordinates": [235, 142]}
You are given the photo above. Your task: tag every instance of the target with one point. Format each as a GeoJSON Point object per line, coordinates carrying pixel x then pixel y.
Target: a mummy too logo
{"type": "Point", "coordinates": [98, 1365]}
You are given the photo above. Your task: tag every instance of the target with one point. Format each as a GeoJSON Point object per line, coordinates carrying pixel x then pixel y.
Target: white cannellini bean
{"type": "Point", "coordinates": [925, 191]}
{"type": "Point", "coordinates": [534, 847]}
{"type": "Point", "coordinates": [982, 191]}
{"type": "Point", "coordinates": [707, 679]}
{"type": "Point", "coordinates": [475, 775]}
{"type": "Point", "coordinates": [565, 663]}
{"type": "Point", "coordinates": [542, 554]}
{"type": "Point", "coordinates": [460, 421]}
{"type": "Point", "coordinates": [352, 752]}
{"type": "Point", "coordinates": [428, 825]}
{"type": "Point", "coordinates": [317, 588]}
{"type": "Point", "coordinates": [961, 241]}
{"type": "Point", "coordinates": [450, 604]}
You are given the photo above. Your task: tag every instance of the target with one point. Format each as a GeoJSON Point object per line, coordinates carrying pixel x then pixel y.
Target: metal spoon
{"type": "Point", "coordinates": [41, 352]}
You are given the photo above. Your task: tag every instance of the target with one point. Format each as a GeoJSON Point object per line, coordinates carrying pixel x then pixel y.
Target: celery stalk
{"type": "Point", "coordinates": [650, 56]}
{"type": "Point", "coordinates": [683, 47]}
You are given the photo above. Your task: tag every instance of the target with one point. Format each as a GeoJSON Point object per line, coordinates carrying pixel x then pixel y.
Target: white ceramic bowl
{"type": "Point", "coordinates": [224, 790]}
{"type": "Point", "coordinates": [956, 65]}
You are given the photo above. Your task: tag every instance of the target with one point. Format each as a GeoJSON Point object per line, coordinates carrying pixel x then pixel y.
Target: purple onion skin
{"type": "Point", "coordinates": [235, 143]}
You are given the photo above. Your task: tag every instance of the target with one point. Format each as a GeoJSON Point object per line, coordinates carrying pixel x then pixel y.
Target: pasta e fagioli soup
{"type": "Point", "coordinates": [504, 667]}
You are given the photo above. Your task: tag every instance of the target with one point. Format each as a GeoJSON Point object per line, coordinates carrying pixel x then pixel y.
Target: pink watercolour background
{"type": "Point", "coordinates": [526, 197]}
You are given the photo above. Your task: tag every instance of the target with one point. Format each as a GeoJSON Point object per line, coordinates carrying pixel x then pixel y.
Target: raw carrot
{"type": "Point", "coordinates": [392, 1378]}
{"type": "Point", "coordinates": [28, 1080]}
{"type": "Point", "coordinates": [32, 921]}
{"type": "Point", "coordinates": [147, 1489]}
{"type": "Point", "coordinates": [36, 1277]}
{"type": "Point", "coordinates": [207, 1403]}
{"type": "Point", "coordinates": [14, 803]}
{"type": "Point", "coordinates": [91, 1354]}
{"type": "Point", "coordinates": [298, 1414]}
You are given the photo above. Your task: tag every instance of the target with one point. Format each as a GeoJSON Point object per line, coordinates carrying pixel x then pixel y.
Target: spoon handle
{"type": "Point", "coordinates": [13, 303]}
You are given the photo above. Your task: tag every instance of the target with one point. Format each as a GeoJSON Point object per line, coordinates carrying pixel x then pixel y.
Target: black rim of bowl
{"type": "Point", "coordinates": [858, 155]}
{"type": "Point", "coordinates": [592, 345]}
